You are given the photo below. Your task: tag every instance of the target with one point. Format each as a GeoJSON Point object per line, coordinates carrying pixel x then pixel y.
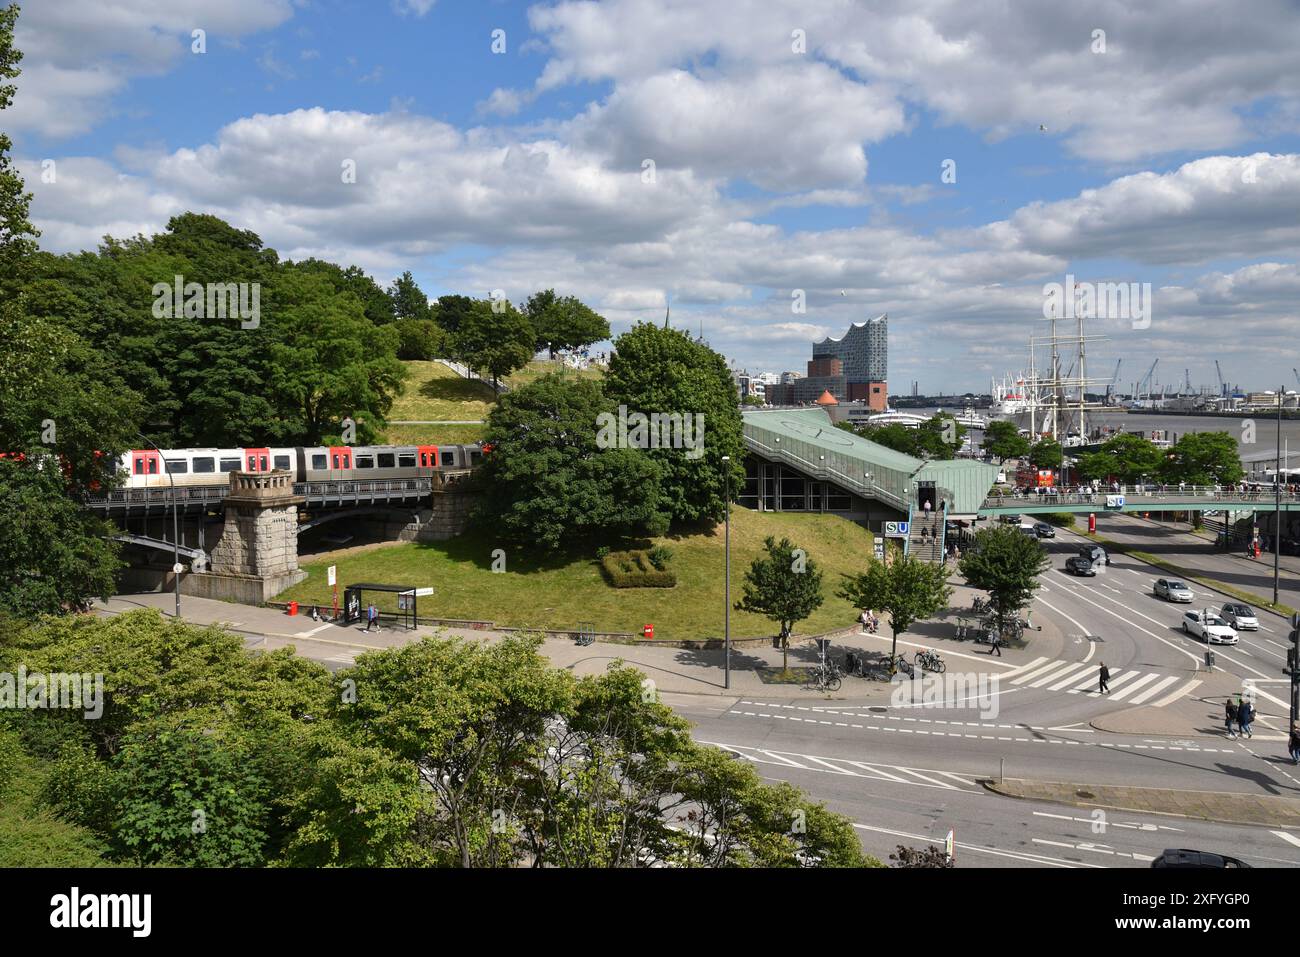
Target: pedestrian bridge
{"type": "Point", "coordinates": [1141, 498]}
{"type": "Point", "coordinates": [318, 495]}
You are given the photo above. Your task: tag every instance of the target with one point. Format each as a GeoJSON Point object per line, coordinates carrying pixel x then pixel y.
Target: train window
{"type": "Point", "coordinates": [207, 464]}
{"type": "Point", "coordinates": [406, 460]}
{"type": "Point", "coordinates": [263, 466]}
{"type": "Point", "coordinates": [320, 461]}
{"type": "Point", "coordinates": [387, 460]}
{"type": "Point", "coordinates": [179, 466]}
{"type": "Point", "coordinates": [230, 465]}
{"type": "Point", "coordinates": [474, 456]}
{"type": "Point", "coordinates": [337, 464]}
{"type": "Point", "coordinates": [139, 466]}
{"type": "Point", "coordinates": [282, 462]}
{"type": "Point", "coordinates": [365, 461]}
{"type": "Point", "coordinates": [448, 458]}
{"type": "Point", "coordinates": [424, 459]}
{"type": "Point", "coordinates": [153, 466]}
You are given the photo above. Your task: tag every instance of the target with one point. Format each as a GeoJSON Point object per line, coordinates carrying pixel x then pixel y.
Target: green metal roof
{"type": "Point", "coordinates": [808, 440]}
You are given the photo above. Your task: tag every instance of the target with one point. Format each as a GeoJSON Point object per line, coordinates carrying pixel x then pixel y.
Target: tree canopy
{"type": "Point", "coordinates": [563, 322]}
{"type": "Point", "coordinates": [655, 370]}
{"type": "Point", "coordinates": [1003, 441]}
{"type": "Point", "coordinates": [1005, 563]}
{"type": "Point", "coordinates": [495, 338]}
{"type": "Point", "coordinates": [904, 587]}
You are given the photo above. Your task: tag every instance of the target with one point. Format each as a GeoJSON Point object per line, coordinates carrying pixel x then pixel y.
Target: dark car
{"type": "Point", "coordinates": [1184, 858]}
{"type": "Point", "coordinates": [1094, 553]}
{"type": "Point", "coordinates": [1043, 530]}
{"type": "Point", "coordinates": [1078, 565]}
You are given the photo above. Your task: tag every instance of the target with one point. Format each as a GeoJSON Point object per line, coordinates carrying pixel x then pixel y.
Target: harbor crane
{"type": "Point", "coordinates": [1110, 386]}
{"type": "Point", "coordinates": [1223, 386]}
{"type": "Point", "coordinates": [1146, 379]}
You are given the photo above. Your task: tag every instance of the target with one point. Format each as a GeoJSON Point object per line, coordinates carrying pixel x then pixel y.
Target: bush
{"type": "Point", "coordinates": [660, 556]}
{"type": "Point", "coordinates": [601, 552]}
{"type": "Point", "coordinates": [635, 570]}
{"type": "Point", "coordinates": [420, 339]}
{"type": "Point", "coordinates": [1060, 519]}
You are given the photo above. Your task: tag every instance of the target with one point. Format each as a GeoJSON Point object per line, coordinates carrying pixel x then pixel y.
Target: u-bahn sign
{"type": "Point", "coordinates": [1114, 501]}
{"type": "Point", "coordinates": [896, 529]}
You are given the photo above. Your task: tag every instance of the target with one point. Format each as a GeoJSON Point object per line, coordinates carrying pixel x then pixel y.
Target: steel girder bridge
{"type": "Point", "coordinates": [1142, 498]}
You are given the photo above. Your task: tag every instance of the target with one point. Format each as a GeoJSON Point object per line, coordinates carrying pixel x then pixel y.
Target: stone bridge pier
{"type": "Point", "coordinates": [257, 556]}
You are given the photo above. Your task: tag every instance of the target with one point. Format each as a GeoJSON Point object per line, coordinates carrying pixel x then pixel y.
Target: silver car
{"type": "Point", "coordinates": [1171, 589]}
{"type": "Point", "coordinates": [1242, 617]}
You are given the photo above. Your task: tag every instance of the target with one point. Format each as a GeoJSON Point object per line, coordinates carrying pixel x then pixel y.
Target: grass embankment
{"type": "Point", "coordinates": [30, 836]}
{"type": "Point", "coordinates": [435, 393]}
{"type": "Point", "coordinates": [560, 593]}
{"type": "Point", "coordinates": [1240, 594]}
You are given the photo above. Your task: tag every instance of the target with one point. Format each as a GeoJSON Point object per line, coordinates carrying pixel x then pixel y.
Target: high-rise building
{"type": "Point", "coordinates": [852, 368]}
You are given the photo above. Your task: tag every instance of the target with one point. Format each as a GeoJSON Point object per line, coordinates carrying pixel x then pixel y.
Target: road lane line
{"type": "Point", "coordinates": [1025, 856]}
{"type": "Point", "coordinates": [1288, 837]}
{"type": "Point", "coordinates": [1114, 614]}
{"type": "Point", "coordinates": [1072, 667]}
{"type": "Point", "coordinates": [1091, 645]}
{"type": "Point", "coordinates": [1130, 688]}
{"type": "Point", "coordinates": [1170, 699]}
{"type": "Point", "coordinates": [1154, 690]}
{"type": "Point", "coordinates": [1038, 672]}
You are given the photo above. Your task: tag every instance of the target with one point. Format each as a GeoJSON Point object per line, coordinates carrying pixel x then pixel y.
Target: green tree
{"type": "Point", "coordinates": [495, 342]}
{"type": "Point", "coordinates": [1046, 454]}
{"type": "Point", "coordinates": [1204, 458]}
{"type": "Point", "coordinates": [1003, 441]}
{"type": "Point", "coordinates": [1126, 457]}
{"type": "Point", "coordinates": [906, 588]}
{"type": "Point", "coordinates": [940, 436]}
{"type": "Point", "coordinates": [17, 235]}
{"type": "Point", "coordinates": [665, 371]}
{"type": "Point", "coordinates": [563, 322]}
{"type": "Point", "coordinates": [420, 339]}
{"type": "Point", "coordinates": [452, 311]}
{"type": "Point", "coordinates": [55, 555]}
{"type": "Point", "coordinates": [550, 484]}
{"type": "Point", "coordinates": [894, 436]}
{"type": "Point", "coordinates": [1005, 563]}
{"type": "Point", "coordinates": [409, 302]}
{"type": "Point", "coordinates": [376, 303]}
{"type": "Point", "coordinates": [785, 586]}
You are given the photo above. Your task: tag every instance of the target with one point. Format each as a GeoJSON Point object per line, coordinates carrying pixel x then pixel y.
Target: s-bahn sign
{"type": "Point", "coordinates": [1114, 501]}
{"type": "Point", "coordinates": [896, 529]}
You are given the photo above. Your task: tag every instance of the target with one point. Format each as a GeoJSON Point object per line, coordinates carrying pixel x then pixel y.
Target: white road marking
{"type": "Point", "coordinates": [1288, 837]}
{"type": "Point", "coordinates": [1154, 690]}
{"type": "Point", "coordinates": [1133, 686]}
{"type": "Point", "coordinates": [996, 852]}
{"type": "Point", "coordinates": [1092, 646]}
{"type": "Point", "coordinates": [1184, 690]}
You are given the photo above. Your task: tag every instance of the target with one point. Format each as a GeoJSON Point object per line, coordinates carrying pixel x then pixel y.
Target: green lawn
{"type": "Point", "coordinates": [433, 434]}
{"type": "Point", "coordinates": [538, 368]}
{"type": "Point", "coordinates": [434, 392]}
{"type": "Point", "coordinates": [561, 594]}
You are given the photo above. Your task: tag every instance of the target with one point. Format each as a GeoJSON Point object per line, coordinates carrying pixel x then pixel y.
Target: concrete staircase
{"type": "Point", "coordinates": [929, 549]}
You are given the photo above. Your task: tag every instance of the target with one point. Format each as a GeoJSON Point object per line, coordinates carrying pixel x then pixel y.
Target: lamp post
{"type": "Point", "coordinates": [176, 538]}
{"type": "Point", "coordinates": [726, 583]}
{"type": "Point", "coordinates": [1277, 495]}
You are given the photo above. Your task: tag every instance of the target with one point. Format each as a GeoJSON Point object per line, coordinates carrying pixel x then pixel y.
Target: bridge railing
{"type": "Point", "coordinates": [1139, 494]}
{"type": "Point", "coordinates": [205, 494]}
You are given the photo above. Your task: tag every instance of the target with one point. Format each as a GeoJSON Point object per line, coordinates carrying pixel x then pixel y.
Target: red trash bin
{"type": "Point", "coordinates": [648, 631]}
{"type": "Point", "coordinates": [293, 608]}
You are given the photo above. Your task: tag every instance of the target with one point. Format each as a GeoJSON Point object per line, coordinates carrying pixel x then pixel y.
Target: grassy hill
{"type": "Point", "coordinates": [561, 593]}
{"type": "Point", "coordinates": [435, 393]}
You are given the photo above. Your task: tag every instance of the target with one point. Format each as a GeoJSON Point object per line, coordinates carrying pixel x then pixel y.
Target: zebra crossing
{"type": "Point", "coordinates": [1132, 686]}
{"type": "Point", "coordinates": [893, 773]}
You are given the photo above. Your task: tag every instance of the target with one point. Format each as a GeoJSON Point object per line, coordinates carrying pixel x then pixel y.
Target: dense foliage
{"type": "Point", "coordinates": [907, 589]}
{"type": "Point", "coordinates": [1005, 563]}
{"type": "Point", "coordinates": [785, 585]}
{"type": "Point", "coordinates": [440, 753]}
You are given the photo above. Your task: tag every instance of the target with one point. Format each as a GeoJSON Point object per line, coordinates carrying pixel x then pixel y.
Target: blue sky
{"type": "Point", "coordinates": [1168, 157]}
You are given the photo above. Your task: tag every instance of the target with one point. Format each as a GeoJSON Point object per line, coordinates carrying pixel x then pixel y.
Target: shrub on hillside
{"type": "Point", "coordinates": [1060, 519]}
{"type": "Point", "coordinates": [660, 556]}
{"type": "Point", "coordinates": [634, 569]}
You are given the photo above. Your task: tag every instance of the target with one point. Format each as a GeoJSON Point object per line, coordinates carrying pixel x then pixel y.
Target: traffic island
{"type": "Point", "coordinates": [1222, 806]}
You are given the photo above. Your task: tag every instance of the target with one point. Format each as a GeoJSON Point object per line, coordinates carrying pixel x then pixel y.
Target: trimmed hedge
{"type": "Point", "coordinates": [635, 570]}
{"type": "Point", "coordinates": [1059, 519]}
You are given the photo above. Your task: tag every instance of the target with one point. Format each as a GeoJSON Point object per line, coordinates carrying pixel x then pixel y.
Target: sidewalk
{"type": "Point", "coordinates": [1222, 806]}
{"type": "Point", "coordinates": [674, 670]}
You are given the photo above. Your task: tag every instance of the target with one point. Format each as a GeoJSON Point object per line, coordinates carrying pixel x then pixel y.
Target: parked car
{"type": "Point", "coordinates": [1185, 858]}
{"type": "Point", "coordinates": [1209, 627]}
{"type": "Point", "coordinates": [1043, 530]}
{"type": "Point", "coordinates": [1171, 589]}
{"type": "Point", "coordinates": [1242, 617]}
{"type": "Point", "coordinates": [1078, 565]}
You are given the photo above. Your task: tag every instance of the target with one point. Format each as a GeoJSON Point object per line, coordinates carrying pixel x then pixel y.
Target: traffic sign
{"type": "Point", "coordinates": [333, 573]}
{"type": "Point", "coordinates": [423, 592]}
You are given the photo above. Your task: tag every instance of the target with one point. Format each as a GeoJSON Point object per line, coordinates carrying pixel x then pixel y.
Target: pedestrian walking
{"type": "Point", "coordinates": [1230, 716]}
{"type": "Point", "coordinates": [995, 646]}
{"type": "Point", "coordinates": [926, 506]}
{"type": "Point", "coordinates": [1293, 744]}
{"type": "Point", "coordinates": [1105, 679]}
{"type": "Point", "coordinates": [372, 618]}
{"type": "Point", "coordinates": [1246, 717]}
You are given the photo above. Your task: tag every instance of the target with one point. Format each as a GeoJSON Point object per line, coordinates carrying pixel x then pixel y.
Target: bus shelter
{"type": "Point", "coordinates": [354, 602]}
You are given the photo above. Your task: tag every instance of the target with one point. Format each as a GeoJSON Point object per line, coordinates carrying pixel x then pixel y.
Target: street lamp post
{"type": "Point", "coordinates": [726, 584]}
{"type": "Point", "coordinates": [176, 537]}
{"type": "Point", "coordinates": [1277, 495]}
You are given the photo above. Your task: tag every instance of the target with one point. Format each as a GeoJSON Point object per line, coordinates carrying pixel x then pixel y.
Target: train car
{"type": "Point", "coordinates": [149, 468]}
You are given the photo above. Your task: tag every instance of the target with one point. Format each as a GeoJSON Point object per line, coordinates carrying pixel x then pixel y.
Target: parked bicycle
{"type": "Point", "coordinates": [826, 677]}
{"type": "Point", "coordinates": [893, 664]}
{"type": "Point", "coordinates": [930, 661]}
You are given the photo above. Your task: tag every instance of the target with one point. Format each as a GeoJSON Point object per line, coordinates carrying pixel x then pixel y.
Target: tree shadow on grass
{"type": "Point", "coordinates": [456, 390]}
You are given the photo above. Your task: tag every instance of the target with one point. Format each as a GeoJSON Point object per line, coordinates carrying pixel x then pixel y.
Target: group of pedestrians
{"type": "Point", "coordinates": [870, 621]}
{"type": "Point", "coordinates": [1241, 713]}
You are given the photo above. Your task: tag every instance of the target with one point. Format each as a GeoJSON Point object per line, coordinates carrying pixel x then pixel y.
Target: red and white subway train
{"type": "Point", "coordinates": [147, 468]}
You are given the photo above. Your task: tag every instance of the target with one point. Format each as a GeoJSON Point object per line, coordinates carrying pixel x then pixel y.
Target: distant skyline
{"type": "Point", "coordinates": [777, 170]}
